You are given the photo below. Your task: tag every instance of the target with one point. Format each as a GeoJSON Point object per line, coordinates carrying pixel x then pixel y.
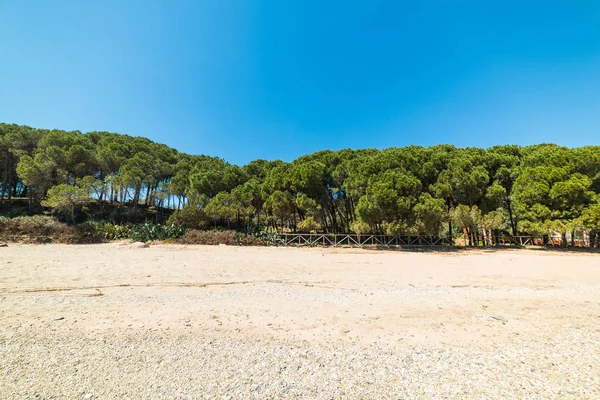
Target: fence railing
{"type": "Point", "coordinates": [342, 239]}
{"type": "Point", "coordinates": [315, 239]}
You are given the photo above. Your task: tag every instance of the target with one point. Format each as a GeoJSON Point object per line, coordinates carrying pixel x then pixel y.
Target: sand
{"type": "Point", "coordinates": [168, 321]}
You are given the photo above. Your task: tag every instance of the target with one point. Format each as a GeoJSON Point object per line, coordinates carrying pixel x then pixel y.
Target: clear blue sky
{"type": "Point", "coordinates": [247, 79]}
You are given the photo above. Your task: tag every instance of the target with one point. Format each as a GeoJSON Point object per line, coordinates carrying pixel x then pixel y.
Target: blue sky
{"type": "Point", "coordinates": [247, 79]}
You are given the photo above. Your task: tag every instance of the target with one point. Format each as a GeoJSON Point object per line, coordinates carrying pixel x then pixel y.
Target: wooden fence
{"type": "Point", "coordinates": [316, 239]}
{"type": "Point", "coordinates": [343, 239]}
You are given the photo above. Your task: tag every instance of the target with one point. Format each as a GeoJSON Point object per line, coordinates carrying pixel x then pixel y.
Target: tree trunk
{"type": "Point", "coordinates": [352, 213]}
{"type": "Point", "coordinates": [5, 179]}
{"type": "Point", "coordinates": [10, 192]}
{"type": "Point", "coordinates": [8, 177]}
{"type": "Point", "coordinates": [510, 216]}
{"type": "Point", "coordinates": [449, 205]}
{"type": "Point", "coordinates": [324, 221]}
{"type": "Point", "coordinates": [147, 195]}
{"type": "Point", "coordinates": [333, 218]}
{"type": "Point", "coordinates": [136, 196]}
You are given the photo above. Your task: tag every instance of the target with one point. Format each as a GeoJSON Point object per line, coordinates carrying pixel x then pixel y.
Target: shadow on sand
{"type": "Point", "coordinates": [495, 249]}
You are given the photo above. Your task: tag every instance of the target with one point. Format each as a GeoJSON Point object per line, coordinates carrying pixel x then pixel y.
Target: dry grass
{"type": "Point", "coordinates": [43, 229]}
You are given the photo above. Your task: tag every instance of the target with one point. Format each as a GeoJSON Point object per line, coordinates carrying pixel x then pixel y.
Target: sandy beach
{"type": "Point", "coordinates": [185, 322]}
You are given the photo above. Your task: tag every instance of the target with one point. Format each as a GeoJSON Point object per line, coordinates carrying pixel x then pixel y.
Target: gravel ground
{"type": "Point", "coordinates": [149, 367]}
{"type": "Point", "coordinates": [314, 324]}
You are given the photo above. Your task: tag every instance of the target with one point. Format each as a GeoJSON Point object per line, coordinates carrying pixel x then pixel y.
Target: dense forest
{"type": "Point", "coordinates": [540, 190]}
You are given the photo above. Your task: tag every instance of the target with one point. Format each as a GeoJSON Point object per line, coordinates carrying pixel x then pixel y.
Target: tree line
{"type": "Point", "coordinates": [537, 190]}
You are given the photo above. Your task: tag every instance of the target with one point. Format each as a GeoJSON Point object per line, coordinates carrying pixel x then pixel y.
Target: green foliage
{"type": "Point", "coordinates": [590, 217]}
{"type": "Point", "coordinates": [141, 232]}
{"type": "Point", "coordinates": [93, 186]}
{"type": "Point", "coordinates": [307, 225]}
{"type": "Point", "coordinates": [190, 217]}
{"type": "Point", "coordinates": [534, 227]}
{"type": "Point", "coordinates": [492, 220]}
{"type": "Point", "coordinates": [108, 230]}
{"type": "Point", "coordinates": [217, 237]}
{"type": "Point", "coordinates": [410, 190]}
{"type": "Point", "coordinates": [359, 227]}
{"type": "Point", "coordinates": [147, 232]}
{"type": "Point", "coordinates": [466, 217]}
{"type": "Point", "coordinates": [65, 198]}
{"type": "Point", "coordinates": [430, 214]}
{"type": "Point", "coordinates": [389, 197]}
{"type": "Point", "coordinates": [280, 205]}
{"type": "Point", "coordinates": [266, 236]}
{"type": "Point", "coordinates": [221, 206]}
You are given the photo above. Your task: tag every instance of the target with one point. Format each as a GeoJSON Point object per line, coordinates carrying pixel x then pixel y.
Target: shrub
{"type": "Point", "coordinates": [65, 198]}
{"type": "Point", "coordinates": [33, 225]}
{"type": "Point", "coordinates": [190, 217]}
{"type": "Point", "coordinates": [265, 237]}
{"type": "Point", "coordinates": [44, 229]}
{"type": "Point", "coordinates": [147, 231]}
{"type": "Point", "coordinates": [143, 232]}
{"type": "Point", "coordinates": [309, 224]}
{"type": "Point", "coordinates": [216, 237]}
{"type": "Point", "coordinates": [360, 227]}
{"type": "Point", "coordinates": [107, 230]}
{"type": "Point", "coordinates": [116, 232]}
{"type": "Point", "coordinates": [250, 240]}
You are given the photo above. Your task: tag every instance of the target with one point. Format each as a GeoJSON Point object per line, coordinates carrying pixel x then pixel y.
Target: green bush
{"type": "Point", "coordinates": [144, 232]}
{"type": "Point", "coordinates": [64, 199]}
{"type": "Point", "coordinates": [216, 237]}
{"type": "Point", "coordinates": [309, 224]}
{"type": "Point", "coordinates": [190, 217]}
{"type": "Point", "coordinates": [147, 232]}
{"type": "Point", "coordinates": [116, 232]}
{"type": "Point", "coordinates": [266, 236]}
{"type": "Point", "coordinates": [107, 230]}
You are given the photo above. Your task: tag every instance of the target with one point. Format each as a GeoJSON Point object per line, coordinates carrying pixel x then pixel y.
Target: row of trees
{"type": "Point", "coordinates": [539, 190]}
